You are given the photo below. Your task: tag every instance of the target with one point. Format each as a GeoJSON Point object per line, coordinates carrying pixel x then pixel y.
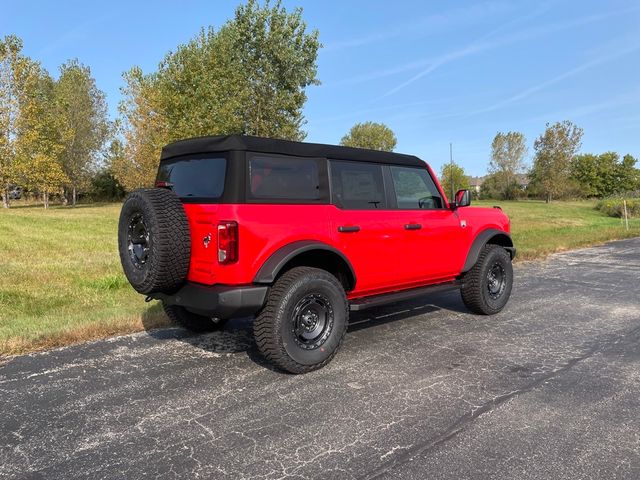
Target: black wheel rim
{"type": "Point", "coordinates": [312, 321]}
{"type": "Point", "coordinates": [138, 241]}
{"type": "Point", "coordinates": [496, 280]}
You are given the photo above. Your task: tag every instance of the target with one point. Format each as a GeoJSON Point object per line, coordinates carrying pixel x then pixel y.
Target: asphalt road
{"type": "Point", "coordinates": [549, 388]}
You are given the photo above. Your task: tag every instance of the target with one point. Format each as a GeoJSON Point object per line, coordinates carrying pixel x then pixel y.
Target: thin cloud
{"type": "Point", "coordinates": [569, 73]}
{"type": "Point", "coordinates": [631, 98]}
{"type": "Point", "coordinates": [77, 34]}
{"type": "Point", "coordinates": [368, 111]}
{"type": "Point", "coordinates": [438, 62]}
{"type": "Point", "coordinates": [429, 24]}
{"type": "Point", "coordinates": [482, 46]}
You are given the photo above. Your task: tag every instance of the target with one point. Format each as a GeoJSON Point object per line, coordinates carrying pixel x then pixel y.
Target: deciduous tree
{"type": "Point", "coordinates": [145, 131]}
{"type": "Point", "coordinates": [605, 174]}
{"type": "Point", "coordinates": [40, 134]}
{"type": "Point", "coordinates": [629, 174]}
{"type": "Point", "coordinates": [375, 136]}
{"type": "Point", "coordinates": [12, 64]}
{"type": "Point", "coordinates": [248, 77]}
{"type": "Point", "coordinates": [508, 151]}
{"type": "Point", "coordinates": [555, 149]}
{"type": "Point", "coordinates": [82, 112]}
{"type": "Point", "coordinates": [452, 179]}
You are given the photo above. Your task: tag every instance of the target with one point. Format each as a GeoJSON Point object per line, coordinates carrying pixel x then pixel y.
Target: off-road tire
{"type": "Point", "coordinates": [274, 326]}
{"type": "Point", "coordinates": [192, 321]}
{"type": "Point", "coordinates": [169, 246]}
{"type": "Point", "coordinates": [475, 283]}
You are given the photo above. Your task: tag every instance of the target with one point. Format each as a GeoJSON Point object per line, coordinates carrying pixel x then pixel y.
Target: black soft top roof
{"type": "Point", "coordinates": [225, 143]}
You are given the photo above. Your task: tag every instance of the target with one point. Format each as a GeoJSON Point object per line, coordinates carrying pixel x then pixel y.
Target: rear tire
{"type": "Point", "coordinates": [192, 321]}
{"type": "Point", "coordinates": [487, 286]}
{"type": "Point", "coordinates": [304, 320]}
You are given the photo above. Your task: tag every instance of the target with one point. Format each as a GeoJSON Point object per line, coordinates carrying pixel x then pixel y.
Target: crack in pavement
{"type": "Point", "coordinates": [591, 348]}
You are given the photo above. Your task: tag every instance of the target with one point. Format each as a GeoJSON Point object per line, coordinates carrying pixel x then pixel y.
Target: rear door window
{"type": "Point", "coordinates": [195, 178]}
{"type": "Point", "coordinates": [282, 179]}
{"type": "Point", "coordinates": [357, 185]}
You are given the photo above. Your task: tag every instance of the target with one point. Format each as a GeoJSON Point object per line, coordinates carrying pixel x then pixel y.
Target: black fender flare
{"type": "Point", "coordinates": [490, 235]}
{"type": "Point", "coordinates": [274, 264]}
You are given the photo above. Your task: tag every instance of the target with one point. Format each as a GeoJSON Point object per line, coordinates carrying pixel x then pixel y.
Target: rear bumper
{"type": "Point", "coordinates": [219, 301]}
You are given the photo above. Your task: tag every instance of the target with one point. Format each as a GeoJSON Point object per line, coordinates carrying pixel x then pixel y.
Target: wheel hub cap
{"type": "Point", "coordinates": [312, 321]}
{"type": "Point", "coordinates": [138, 241]}
{"type": "Point", "coordinates": [496, 280]}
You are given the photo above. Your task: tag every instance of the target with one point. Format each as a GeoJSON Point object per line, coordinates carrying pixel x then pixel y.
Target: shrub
{"type": "Point", "coordinates": [105, 187]}
{"type": "Point", "coordinates": [613, 207]}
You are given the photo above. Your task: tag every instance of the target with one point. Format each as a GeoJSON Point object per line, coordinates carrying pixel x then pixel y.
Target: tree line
{"type": "Point", "coordinates": [247, 77]}
{"type": "Point", "coordinates": [558, 171]}
{"type": "Point", "coordinates": [51, 130]}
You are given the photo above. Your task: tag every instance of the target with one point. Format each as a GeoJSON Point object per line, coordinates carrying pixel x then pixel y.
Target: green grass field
{"type": "Point", "coordinates": [538, 228]}
{"type": "Point", "coordinates": [61, 280]}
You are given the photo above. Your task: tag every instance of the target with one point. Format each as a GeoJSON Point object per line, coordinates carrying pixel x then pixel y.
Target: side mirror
{"type": "Point", "coordinates": [463, 198]}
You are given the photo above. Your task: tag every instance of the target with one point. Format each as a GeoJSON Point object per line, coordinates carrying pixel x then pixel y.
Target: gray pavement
{"type": "Point", "coordinates": [549, 388]}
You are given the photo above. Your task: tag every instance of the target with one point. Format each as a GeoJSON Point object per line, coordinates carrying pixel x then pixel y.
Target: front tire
{"type": "Point", "coordinates": [192, 321]}
{"type": "Point", "coordinates": [304, 320]}
{"type": "Point", "coordinates": [486, 288]}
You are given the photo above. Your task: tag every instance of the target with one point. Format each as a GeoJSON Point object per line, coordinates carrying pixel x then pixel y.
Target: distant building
{"type": "Point", "coordinates": [523, 180]}
{"type": "Point", "coordinates": [475, 183]}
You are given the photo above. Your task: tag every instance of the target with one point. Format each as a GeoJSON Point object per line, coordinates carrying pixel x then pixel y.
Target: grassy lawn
{"type": "Point", "coordinates": [538, 229]}
{"type": "Point", "coordinates": [61, 280]}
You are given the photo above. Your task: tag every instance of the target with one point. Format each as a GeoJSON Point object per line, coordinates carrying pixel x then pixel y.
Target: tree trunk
{"type": "Point", "coordinates": [5, 197]}
{"type": "Point", "coordinates": [65, 199]}
{"type": "Point", "coordinates": [73, 202]}
{"type": "Point", "coordinates": [45, 200]}
{"type": "Point", "coordinates": [548, 199]}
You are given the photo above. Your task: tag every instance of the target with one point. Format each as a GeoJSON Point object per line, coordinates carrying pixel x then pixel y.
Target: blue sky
{"type": "Point", "coordinates": [435, 72]}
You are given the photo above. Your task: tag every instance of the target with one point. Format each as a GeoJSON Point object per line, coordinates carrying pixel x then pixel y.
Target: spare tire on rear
{"type": "Point", "coordinates": [154, 240]}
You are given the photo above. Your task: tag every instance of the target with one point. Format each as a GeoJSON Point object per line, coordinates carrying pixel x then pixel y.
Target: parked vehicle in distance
{"type": "Point", "coordinates": [298, 235]}
{"type": "Point", "coordinates": [15, 193]}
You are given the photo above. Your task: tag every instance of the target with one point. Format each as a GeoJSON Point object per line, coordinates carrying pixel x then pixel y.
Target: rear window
{"type": "Point", "coordinates": [279, 178]}
{"type": "Point", "coordinates": [194, 177]}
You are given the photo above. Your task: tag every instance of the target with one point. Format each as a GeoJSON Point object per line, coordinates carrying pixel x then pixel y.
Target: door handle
{"type": "Point", "coordinates": [348, 229]}
{"type": "Point", "coordinates": [412, 226]}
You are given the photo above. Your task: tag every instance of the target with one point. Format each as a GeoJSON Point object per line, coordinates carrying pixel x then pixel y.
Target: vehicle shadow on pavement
{"type": "Point", "coordinates": [237, 335]}
{"type": "Point", "coordinates": [402, 310]}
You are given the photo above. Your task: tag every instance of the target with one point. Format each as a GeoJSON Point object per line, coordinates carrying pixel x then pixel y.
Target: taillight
{"type": "Point", "coordinates": [227, 242]}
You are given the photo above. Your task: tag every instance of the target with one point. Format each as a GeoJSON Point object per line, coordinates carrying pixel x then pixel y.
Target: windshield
{"type": "Point", "coordinates": [194, 177]}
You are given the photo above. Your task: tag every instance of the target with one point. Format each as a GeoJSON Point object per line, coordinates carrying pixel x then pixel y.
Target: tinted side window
{"type": "Point", "coordinates": [357, 185]}
{"type": "Point", "coordinates": [415, 189]}
{"type": "Point", "coordinates": [197, 177]}
{"type": "Point", "coordinates": [284, 178]}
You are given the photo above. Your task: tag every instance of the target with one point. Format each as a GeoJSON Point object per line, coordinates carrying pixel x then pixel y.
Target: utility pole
{"type": "Point", "coordinates": [453, 191]}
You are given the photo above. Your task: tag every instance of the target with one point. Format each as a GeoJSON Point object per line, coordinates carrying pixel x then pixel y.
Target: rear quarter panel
{"type": "Point", "coordinates": [262, 229]}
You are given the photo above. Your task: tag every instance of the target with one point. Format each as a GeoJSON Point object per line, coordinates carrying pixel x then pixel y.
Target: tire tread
{"type": "Point", "coordinates": [171, 247]}
{"type": "Point", "coordinates": [473, 283]}
{"type": "Point", "coordinates": [266, 324]}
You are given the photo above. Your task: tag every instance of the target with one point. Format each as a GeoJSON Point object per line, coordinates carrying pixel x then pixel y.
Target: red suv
{"type": "Point", "coordinates": [299, 234]}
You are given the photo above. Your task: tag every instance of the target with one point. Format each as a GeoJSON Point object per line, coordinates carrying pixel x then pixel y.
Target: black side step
{"type": "Point", "coordinates": [384, 298]}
